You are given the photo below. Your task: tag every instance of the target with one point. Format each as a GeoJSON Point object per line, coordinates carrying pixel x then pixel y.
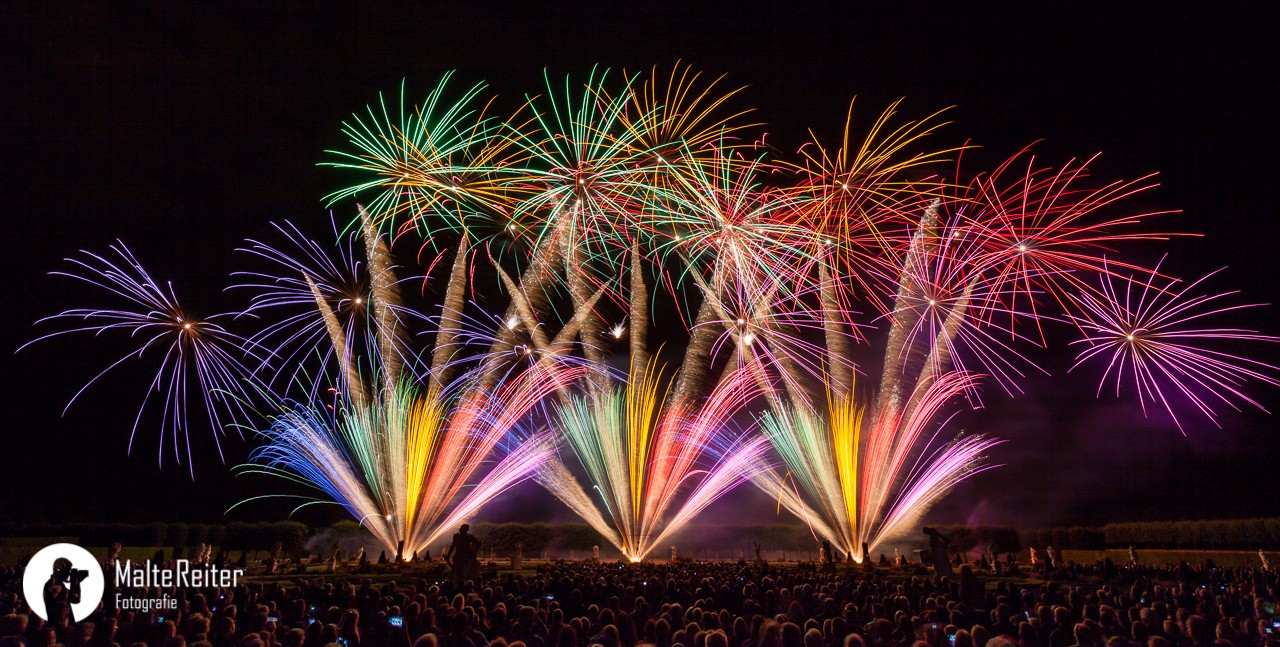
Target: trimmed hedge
{"type": "Point", "coordinates": [1209, 534]}
{"type": "Point", "coordinates": [233, 536]}
{"type": "Point", "coordinates": [1002, 539]}
{"type": "Point", "coordinates": [1221, 534]}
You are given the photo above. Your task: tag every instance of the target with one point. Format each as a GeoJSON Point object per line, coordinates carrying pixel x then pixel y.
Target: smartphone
{"type": "Point", "coordinates": [344, 642]}
{"type": "Point", "coordinates": [1027, 614]}
{"type": "Point", "coordinates": [551, 597]}
{"type": "Point", "coordinates": [951, 638]}
{"type": "Point", "coordinates": [275, 619]}
{"type": "Point", "coordinates": [396, 621]}
{"type": "Point", "coordinates": [311, 621]}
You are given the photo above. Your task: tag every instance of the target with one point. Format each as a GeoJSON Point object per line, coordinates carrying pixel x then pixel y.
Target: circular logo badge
{"type": "Point", "coordinates": [63, 574]}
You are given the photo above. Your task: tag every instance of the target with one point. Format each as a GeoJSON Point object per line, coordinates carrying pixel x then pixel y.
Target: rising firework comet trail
{"type": "Point", "coordinates": [314, 292]}
{"type": "Point", "coordinates": [408, 462]}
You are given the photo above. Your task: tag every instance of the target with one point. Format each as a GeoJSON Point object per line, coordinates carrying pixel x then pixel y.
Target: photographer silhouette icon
{"type": "Point", "coordinates": [63, 578]}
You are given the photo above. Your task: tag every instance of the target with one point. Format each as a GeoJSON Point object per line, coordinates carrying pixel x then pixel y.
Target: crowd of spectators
{"type": "Point", "coordinates": [688, 604]}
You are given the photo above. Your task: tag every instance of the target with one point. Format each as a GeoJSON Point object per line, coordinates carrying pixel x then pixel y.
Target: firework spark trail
{"type": "Point", "coordinates": [577, 189]}
{"type": "Point", "coordinates": [1155, 335]}
{"type": "Point", "coordinates": [776, 333]}
{"type": "Point", "coordinates": [634, 444]}
{"type": "Point", "coordinates": [817, 455]}
{"type": "Point", "coordinates": [402, 460]}
{"type": "Point", "coordinates": [436, 167]}
{"type": "Point", "coordinates": [858, 201]}
{"type": "Point", "coordinates": [441, 168]}
{"type": "Point", "coordinates": [314, 291]}
{"type": "Point", "coordinates": [947, 307]}
{"type": "Point", "coordinates": [739, 245]}
{"type": "Point", "coordinates": [863, 481]}
{"type": "Point", "coordinates": [1041, 233]}
{"type": "Point", "coordinates": [860, 487]}
{"type": "Point", "coordinates": [405, 461]}
{"type": "Point", "coordinates": [958, 271]}
{"type": "Point", "coordinates": [302, 258]}
{"type": "Point", "coordinates": [485, 418]}
{"type": "Point", "coordinates": [680, 116]}
{"type": "Point", "coordinates": [408, 466]}
{"type": "Point", "coordinates": [640, 449]}
{"type": "Point", "coordinates": [719, 215]}
{"type": "Point", "coordinates": [580, 154]}
{"type": "Point", "coordinates": [196, 354]}
{"type": "Point", "coordinates": [654, 467]}
{"type": "Point", "coordinates": [934, 477]}
{"type": "Point", "coordinates": [894, 439]}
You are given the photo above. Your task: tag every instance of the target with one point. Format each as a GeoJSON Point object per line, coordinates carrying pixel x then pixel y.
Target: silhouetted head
{"type": "Point", "coordinates": [465, 527]}
{"type": "Point", "coordinates": [61, 569]}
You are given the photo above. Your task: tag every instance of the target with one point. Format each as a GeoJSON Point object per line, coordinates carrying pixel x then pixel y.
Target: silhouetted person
{"type": "Point", "coordinates": [63, 587]}
{"type": "Point", "coordinates": [1109, 570]}
{"type": "Point", "coordinates": [463, 556]}
{"type": "Point", "coordinates": [972, 591]}
{"type": "Point", "coordinates": [1050, 561]}
{"type": "Point", "coordinates": [109, 577]}
{"type": "Point", "coordinates": [938, 544]}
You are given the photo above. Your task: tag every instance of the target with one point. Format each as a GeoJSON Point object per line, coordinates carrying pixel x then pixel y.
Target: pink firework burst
{"type": "Point", "coordinates": [1156, 334]}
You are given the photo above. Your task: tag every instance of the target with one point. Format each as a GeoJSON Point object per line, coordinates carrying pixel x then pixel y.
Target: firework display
{"type": "Point", "coordinates": [633, 222]}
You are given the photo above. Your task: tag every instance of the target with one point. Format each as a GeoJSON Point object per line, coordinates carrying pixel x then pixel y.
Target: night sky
{"type": "Point", "coordinates": [182, 131]}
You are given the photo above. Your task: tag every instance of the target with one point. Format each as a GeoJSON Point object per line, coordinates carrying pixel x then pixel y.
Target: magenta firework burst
{"type": "Point", "coordinates": [1158, 337]}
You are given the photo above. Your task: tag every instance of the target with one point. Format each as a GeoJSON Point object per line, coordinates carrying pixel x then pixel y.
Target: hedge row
{"type": "Point", "coordinates": [231, 536]}
{"type": "Point", "coordinates": [717, 539]}
{"type": "Point", "coordinates": [536, 537]}
{"type": "Point", "coordinates": [999, 538]}
{"type": "Point", "coordinates": [1227, 534]}
{"type": "Point", "coordinates": [540, 537]}
{"type": "Point", "coordinates": [1217, 534]}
